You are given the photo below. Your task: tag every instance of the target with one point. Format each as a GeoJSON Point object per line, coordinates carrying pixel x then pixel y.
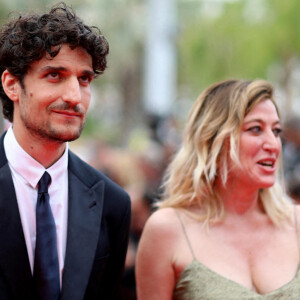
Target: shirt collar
{"type": "Point", "coordinates": [30, 169]}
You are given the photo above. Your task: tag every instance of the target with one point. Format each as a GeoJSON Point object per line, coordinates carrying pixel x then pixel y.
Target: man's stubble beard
{"type": "Point", "coordinates": [50, 134]}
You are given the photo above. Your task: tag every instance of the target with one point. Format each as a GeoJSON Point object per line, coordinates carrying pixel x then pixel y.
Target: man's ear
{"type": "Point", "coordinates": [11, 85]}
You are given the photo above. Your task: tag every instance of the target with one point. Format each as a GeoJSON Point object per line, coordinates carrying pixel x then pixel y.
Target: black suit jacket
{"type": "Point", "coordinates": [97, 236]}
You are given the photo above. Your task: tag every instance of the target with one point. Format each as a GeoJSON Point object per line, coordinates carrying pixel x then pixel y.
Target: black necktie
{"type": "Point", "coordinates": [46, 269]}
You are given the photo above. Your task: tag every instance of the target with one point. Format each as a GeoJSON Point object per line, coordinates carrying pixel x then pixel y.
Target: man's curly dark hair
{"type": "Point", "coordinates": [30, 37]}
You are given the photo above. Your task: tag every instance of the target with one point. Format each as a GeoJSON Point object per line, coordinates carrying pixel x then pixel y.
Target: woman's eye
{"type": "Point", "coordinates": [277, 131]}
{"type": "Point", "coordinates": [255, 129]}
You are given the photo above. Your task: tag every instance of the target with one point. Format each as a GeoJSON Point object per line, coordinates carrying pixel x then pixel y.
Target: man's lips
{"type": "Point", "coordinates": [67, 110]}
{"type": "Point", "coordinates": [68, 113]}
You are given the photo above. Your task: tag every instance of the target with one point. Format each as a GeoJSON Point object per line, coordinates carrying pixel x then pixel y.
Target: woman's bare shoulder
{"type": "Point", "coordinates": [166, 224]}
{"type": "Point", "coordinates": [162, 220]}
{"type": "Point", "coordinates": [159, 236]}
{"type": "Point", "coordinates": [154, 262]}
{"type": "Point", "coordinates": [297, 211]}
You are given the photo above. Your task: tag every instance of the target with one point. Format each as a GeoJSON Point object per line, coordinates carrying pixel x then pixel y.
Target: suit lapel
{"type": "Point", "coordinates": [84, 219]}
{"type": "Point", "coordinates": [14, 262]}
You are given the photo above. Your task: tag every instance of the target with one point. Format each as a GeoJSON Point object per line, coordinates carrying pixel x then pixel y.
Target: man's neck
{"type": "Point", "coordinates": [44, 151]}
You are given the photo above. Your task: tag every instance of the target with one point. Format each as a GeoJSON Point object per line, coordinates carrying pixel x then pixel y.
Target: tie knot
{"type": "Point", "coordinates": [44, 183]}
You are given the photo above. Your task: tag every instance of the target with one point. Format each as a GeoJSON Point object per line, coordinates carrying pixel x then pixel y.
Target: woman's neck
{"type": "Point", "coordinates": [237, 198]}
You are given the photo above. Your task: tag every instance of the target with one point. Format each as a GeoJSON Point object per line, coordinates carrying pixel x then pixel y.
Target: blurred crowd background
{"type": "Point", "coordinates": [163, 53]}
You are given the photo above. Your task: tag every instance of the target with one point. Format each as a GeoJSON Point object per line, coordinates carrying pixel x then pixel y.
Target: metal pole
{"type": "Point", "coordinates": [160, 77]}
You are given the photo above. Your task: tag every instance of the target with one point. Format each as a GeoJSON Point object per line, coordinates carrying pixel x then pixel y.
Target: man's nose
{"type": "Point", "coordinates": [72, 91]}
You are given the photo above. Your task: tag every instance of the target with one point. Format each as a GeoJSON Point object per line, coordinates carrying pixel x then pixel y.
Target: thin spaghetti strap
{"type": "Point", "coordinates": [297, 229]}
{"type": "Point", "coordinates": [185, 234]}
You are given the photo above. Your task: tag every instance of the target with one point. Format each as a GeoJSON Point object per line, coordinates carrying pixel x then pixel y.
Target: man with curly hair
{"type": "Point", "coordinates": [47, 64]}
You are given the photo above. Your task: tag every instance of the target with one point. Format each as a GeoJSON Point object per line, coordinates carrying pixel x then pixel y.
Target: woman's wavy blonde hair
{"type": "Point", "coordinates": [212, 132]}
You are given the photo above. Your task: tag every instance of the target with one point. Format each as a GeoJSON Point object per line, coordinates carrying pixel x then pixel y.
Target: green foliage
{"type": "Point", "coordinates": [243, 41]}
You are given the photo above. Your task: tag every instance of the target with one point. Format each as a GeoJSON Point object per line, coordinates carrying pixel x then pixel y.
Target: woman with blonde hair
{"type": "Point", "coordinates": [224, 229]}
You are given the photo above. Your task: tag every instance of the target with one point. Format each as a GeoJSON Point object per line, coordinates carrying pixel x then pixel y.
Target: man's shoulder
{"type": "Point", "coordinates": [89, 175]}
{"type": "Point", "coordinates": [81, 168]}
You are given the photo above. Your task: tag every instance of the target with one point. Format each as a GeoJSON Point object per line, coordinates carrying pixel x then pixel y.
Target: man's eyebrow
{"type": "Point", "coordinates": [63, 69]}
{"type": "Point", "coordinates": [89, 73]}
{"type": "Point", "coordinates": [53, 69]}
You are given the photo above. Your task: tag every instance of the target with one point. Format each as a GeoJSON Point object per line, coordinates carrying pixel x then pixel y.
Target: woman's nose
{"type": "Point", "coordinates": [271, 142]}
